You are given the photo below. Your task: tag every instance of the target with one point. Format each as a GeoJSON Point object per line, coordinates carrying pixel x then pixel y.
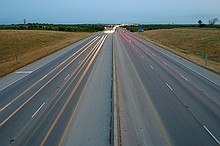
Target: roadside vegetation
{"type": "Point", "coordinates": [21, 47]}
{"type": "Point", "coordinates": [137, 28]}
{"type": "Point", "coordinates": [192, 43]}
{"type": "Point", "coordinates": [55, 27]}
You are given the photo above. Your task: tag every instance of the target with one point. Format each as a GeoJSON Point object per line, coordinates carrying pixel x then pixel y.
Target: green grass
{"type": "Point", "coordinates": [190, 43]}
{"type": "Point", "coordinates": [30, 45]}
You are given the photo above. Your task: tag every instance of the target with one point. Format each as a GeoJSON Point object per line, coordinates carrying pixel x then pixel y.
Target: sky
{"type": "Point", "coordinates": [108, 11]}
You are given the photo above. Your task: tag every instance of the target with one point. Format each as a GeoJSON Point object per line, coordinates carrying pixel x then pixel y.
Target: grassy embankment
{"type": "Point", "coordinates": [190, 43]}
{"type": "Point", "coordinates": [21, 47]}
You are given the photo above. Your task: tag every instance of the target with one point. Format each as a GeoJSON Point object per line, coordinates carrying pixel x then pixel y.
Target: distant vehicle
{"type": "Point", "coordinates": [141, 30]}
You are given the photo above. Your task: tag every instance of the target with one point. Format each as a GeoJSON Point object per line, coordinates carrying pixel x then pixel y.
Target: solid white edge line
{"type": "Point", "coordinates": [171, 57]}
{"type": "Point", "coordinates": [42, 65]}
{"type": "Point", "coordinates": [14, 82]}
{"type": "Point", "coordinates": [184, 78]}
{"type": "Point", "coordinates": [5, 106]}
{"type": "Point", "coordinates": [66, 76]}
{"type": "Point", "coordinates": [211, 134]}
{"type": "Point", "coordinates": [38, 110]}
{"type": "Point", "coordinates": [169, 86]}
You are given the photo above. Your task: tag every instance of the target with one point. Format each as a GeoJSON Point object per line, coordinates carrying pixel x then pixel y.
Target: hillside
{"type": "Point", "coordinates": [21, 47]}
{"type": "Point", "coordinates": [190, 43]}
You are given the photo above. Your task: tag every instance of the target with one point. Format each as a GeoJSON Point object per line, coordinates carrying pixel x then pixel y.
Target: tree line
{"type": "Point", "coordinates": [211, 22]}
{"type": "Point", "coordinates": [55, 27]}
{"type": "Point", "coordinates": [140, 27]}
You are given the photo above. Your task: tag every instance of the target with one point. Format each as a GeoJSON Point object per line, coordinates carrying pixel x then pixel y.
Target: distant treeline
{"type": "Point", "coordinates": [55, 27]}
{"type": "Point", "coordinates": [136, 28]}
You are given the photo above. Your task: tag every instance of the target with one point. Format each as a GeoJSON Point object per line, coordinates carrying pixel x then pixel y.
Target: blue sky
{"type": "Point", "coordinates": [109, 11]}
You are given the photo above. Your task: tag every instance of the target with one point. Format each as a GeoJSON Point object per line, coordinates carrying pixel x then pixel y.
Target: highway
{"type": "Point", "coordinates": [164, 99]}
{"type": "Point", "coordinates": [91, 125]}
{"type": "Point", "coordinates": [110, 89]}
{"type": "Point", "coordinates": [37, 101]}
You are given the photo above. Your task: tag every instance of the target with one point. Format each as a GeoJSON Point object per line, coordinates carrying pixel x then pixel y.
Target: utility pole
{"type": "Point", "coordinates": [25, 23]}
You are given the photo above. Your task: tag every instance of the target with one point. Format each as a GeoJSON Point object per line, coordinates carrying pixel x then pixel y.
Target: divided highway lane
{"type": "Point", "coordinates": [36, 109]}
{"type": "Point", "coordinates": [186, 101]}
{"type": "Point", "coordinates": [34, 79]}
{"type": "Point", "coordinates": [138, 124]}
{"type": "Point", "coordinates": [91, 122]}
{"type": "Point", "coordinates": [198, 94]}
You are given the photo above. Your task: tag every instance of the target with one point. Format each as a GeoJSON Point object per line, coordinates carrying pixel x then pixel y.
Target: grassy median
{"type": "Point", "coordinates": [21, 47]}
{"type": "Point", "coordinates": [190, 43]}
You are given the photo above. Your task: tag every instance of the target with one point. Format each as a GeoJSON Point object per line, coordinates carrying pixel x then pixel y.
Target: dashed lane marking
{"type": "Point", "coordinates": [5, 106]}
{"type": "Point", "coordinates": [184, 78]}
{"type": "Point", "coordinates": [66, 76]}
{"type": "Point", "coordinates": [169, 86]}
{"type": "Point", "coordinates": [38, 110]}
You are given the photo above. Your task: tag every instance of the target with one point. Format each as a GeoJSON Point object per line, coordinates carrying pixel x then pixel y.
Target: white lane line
{"type": "Point", "coordinates": [43, 77]}
{"type": "Point", "coordinates": [190, 68]}
{"type": "Point", "coordinates": [40, 66]}
{"type": "Point", "coordinates": [5, 106]}
{"type": "Point", "coordinates": [169, 86]}
{"type": "Point", "coordinates": [79, 62]}
{"type": "Point", "coordinates": [211, 134]}
{"type": "Point", "coordinates": [38, 110]}
{"type": "Point", "coordinates": [151, 67]}
{"type": "Point", "coordinates": [153, 54]}
{"type": "Point", "coordinates": [164, 63]}
{"type": "Point", "coordinates": [184, 78]}
{"type": "Point", "coordinates": [142, 56]}
{"type": "Point", "coordinates": [130, 41]}
{"type": "Point", "coordinates": [23, 72]}
{"type": "Point", "coordinates": [67, 76]}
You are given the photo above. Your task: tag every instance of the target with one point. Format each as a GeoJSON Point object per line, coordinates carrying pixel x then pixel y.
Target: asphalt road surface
{"type": "Point", "coordinates": [38, 101]}
{"type": "Point", "coordinates": [91, 124]}
{"type": "Point", "coordinates": [164, 99]}
{"type": "Point", "coordinates": [66, 99]}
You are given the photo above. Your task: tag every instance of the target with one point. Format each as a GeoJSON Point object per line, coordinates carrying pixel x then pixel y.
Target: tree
{"type": "Point", "coordinates": [200, 22]}
{"type": "Point", "coordinates": [213, 21]}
